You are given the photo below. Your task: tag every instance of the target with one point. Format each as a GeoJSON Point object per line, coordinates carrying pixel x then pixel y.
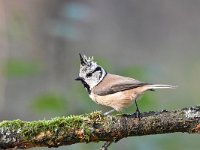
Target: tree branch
{"type": "Point", "coordinates": [95, 127]}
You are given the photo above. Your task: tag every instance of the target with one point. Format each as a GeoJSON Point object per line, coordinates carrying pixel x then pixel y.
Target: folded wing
{"type": "Point", "coordinates": [114, 83]}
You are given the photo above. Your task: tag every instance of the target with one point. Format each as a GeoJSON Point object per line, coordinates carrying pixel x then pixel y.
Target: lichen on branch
{"type": "Point", "coordinates": [95, 127]}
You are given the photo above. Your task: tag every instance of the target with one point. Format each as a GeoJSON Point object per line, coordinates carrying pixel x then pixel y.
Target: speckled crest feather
{"type": "Point", "coordinates": [87, 61]}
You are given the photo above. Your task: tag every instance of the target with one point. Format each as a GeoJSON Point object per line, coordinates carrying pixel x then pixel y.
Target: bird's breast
{"type": "Point", "coordinates": [118, 100]}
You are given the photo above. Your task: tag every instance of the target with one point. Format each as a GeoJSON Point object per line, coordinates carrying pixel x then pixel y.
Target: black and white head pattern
{"type": "Point", "coordinates": [90, 72]}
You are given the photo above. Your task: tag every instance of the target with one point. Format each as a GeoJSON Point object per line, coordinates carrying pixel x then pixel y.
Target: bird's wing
{"type": "Point", "coordinates": [114, 83]}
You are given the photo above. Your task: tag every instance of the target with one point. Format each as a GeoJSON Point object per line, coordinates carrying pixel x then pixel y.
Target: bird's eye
{"type": "Point", "coordinates": [88, 75]}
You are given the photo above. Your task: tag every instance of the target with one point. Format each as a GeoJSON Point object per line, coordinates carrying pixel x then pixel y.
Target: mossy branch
{"type": "Point", "coordinates": [95, 127]}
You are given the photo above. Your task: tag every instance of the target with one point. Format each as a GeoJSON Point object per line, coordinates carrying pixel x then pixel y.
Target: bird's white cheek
{"type": "Point", "coordinates": [92, 83]}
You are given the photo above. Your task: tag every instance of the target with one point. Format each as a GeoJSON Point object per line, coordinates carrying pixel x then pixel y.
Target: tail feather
{"type": "Point", "coordinates": [160, 86]}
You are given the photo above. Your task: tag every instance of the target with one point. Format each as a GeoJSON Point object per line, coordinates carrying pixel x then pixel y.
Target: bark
{"type": "Point", "coordinates": [95, 127]}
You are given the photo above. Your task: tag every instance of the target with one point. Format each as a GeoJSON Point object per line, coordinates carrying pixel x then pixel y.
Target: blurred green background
{"type": "Point", "coordinates": [152, 41]}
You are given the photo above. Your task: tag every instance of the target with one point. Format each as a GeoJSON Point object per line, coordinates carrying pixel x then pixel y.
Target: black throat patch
{"type": "Point", "coordinates": [86, 86]}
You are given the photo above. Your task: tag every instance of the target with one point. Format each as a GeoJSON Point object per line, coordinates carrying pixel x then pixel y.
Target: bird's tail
{"type": "Point", "coordinates": [160, 86]}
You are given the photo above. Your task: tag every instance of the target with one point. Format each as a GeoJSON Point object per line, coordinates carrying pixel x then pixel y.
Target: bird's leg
{"type": "Point", "coordinates": [138, 114]}
{"type": "Point", "coordinates": [108, 112]}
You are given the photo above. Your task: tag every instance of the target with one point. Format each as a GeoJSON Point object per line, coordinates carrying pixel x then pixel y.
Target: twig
{"type": "Point", "coordinates": [106, 145]}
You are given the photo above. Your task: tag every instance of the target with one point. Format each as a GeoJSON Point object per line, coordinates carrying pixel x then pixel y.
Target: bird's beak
{"type": "Point", "coordinates": [78, 79]}
{"type": "Point", "coordinates": [82, 60]}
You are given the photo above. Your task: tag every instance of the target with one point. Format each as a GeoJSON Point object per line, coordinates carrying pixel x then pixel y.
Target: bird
{"type": "Point", "coordinates": [115, 91]}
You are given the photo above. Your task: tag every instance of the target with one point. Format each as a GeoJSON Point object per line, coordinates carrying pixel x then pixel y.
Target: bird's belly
{"type": "Point", "coordinates": [118, 100]}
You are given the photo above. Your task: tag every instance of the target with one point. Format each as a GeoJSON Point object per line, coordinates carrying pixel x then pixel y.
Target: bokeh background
{"type": "Point", "coordinates": [151, 40]}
